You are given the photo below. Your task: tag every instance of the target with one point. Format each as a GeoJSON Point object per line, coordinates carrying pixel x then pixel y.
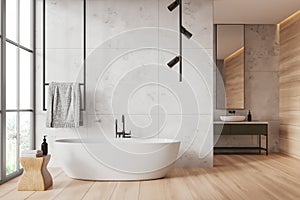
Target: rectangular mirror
{"type": "Point", "coordinates": [230, 67]}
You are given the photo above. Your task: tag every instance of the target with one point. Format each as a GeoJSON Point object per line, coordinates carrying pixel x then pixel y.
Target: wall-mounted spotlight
{"type": "Point", "coordinates": [174, 61]}
{"type": "Point", "coordinates": [186, 33]}
{"type": "Point", "coordinates": [173, 5]}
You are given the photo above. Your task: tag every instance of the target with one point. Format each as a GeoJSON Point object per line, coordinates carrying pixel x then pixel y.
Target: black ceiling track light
{"type": "Point", "coordinates": [174, 61]}
{"type": "Point", "coordinates": [173, 5]}
{"type": "Point", "coordinates": [186, 33]}
{"type": "Point", "coordinates": [182, 31]}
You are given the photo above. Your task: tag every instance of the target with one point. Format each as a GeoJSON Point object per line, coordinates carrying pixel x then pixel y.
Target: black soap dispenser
{"type": "Point", "coordinates": [249, 117]}
{"type": "Point", "coordinates": [44, 146]}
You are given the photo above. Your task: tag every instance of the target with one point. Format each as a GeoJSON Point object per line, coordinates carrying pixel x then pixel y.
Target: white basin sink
{"type": "Point", "coordinates": [234, 118]}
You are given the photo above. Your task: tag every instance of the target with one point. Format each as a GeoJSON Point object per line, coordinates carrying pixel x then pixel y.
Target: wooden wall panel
{"type": "Point", "coordinates": [290, 147]}
{"type": "Point", "coordinates": [289, 28]}
{"type": "Point", "coordinates": [290, 117]}
{"type": "Point", "coordinates": [234, 75]}
{"type": "Point", "coordinates": [290, 103]}
{"type": "Point", "coordinates": [290, 132]}
{"type": "Point", "coordinates": [289, 138]}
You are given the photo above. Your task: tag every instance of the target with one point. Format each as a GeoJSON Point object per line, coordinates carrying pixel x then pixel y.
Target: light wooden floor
{"type": "Point", "coordinates": [233, 177]}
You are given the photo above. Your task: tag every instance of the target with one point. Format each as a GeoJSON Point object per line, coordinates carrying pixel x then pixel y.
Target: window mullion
{"type": "Point", "coordinates": [3, 90]}
{"type": "Point", "coordinates": [18, 88]}
{"type": "Point", "coordinates": [34, 75]}
{"type": "Point", "coordinates": [20, 49]}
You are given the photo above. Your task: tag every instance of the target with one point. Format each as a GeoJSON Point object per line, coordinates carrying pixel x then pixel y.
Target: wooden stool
{"type": "Point", "coordinates": [35, 177]}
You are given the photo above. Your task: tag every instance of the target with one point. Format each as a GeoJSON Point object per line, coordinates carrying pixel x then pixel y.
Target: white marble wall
{"type": "Point", "coordinates": [261, 83]}
{"type": "Point", "coordinates": [129, 43]}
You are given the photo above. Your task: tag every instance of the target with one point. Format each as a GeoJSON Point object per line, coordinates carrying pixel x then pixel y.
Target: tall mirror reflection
{"type": "Point", "coordinates": [230, 63]}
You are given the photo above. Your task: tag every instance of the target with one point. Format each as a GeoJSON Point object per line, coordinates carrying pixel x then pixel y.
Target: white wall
{"type": "Point", "coordinates": [129, 43]}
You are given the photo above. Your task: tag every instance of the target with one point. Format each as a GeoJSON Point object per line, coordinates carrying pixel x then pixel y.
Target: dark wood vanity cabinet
{"type": "Point", "coordinates": [260, 129]}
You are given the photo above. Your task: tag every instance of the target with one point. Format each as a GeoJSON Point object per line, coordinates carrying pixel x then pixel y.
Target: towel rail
{"type": "Point", "coordinates": [84, 57]}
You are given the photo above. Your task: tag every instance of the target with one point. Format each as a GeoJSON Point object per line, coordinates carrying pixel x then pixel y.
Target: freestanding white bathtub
{"type": "Point", "coordinates": [116, 159]}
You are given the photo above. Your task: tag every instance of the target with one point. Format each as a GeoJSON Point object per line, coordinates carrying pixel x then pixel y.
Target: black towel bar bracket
{"type": "Point", "coordinates": [84, 57]}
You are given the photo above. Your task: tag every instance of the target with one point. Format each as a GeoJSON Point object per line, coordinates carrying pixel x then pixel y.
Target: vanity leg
{"type": "Point", "coordinates": [267, 144]}
{"type": "Point", "coordinates": [259, 143]}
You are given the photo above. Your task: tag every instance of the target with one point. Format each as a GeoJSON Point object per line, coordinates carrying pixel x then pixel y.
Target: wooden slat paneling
{"type": "Point", "coordinates": [286, 76]}
{"type": "Point", "coordinates": [288, 48]}
{"type": "Point", "coordinates": [290, 132]}
{"type": "Point", "coordinates": [289, 29]}
{"type": "Point", "coordinates": [289, 89]}
{"type": "Point", "coordinates": [290, 147]}
{"type": "Point", "coordinates": [290, 117]}
{"type": "Point", "coordinates": [290, 103]}
{"type": "Point", "coordinates": [290, 86]}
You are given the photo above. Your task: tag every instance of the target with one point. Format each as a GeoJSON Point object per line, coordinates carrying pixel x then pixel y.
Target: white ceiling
{"type": "Point", "coordinates": [253, 11]}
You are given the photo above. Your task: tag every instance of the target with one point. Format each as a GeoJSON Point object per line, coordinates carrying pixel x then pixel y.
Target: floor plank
{"type": "Point", "coordinates": [173, 185]}
{"type": "Point", "coordinates": [274, 180]}
{"type": "Point", "coordinates": [10, 192]}
{"type": "Point", "coordinates": [60, 183]}
{"type": "Point", "coordinates": [126, 190]}
{"type": "Point", "coordinates": [251, 186]}
{"type": "Point", "coordinates": [152, 189]}
{"type": "Point", "coordinates": [101, 190]}
{"type": "Point", "coordinates": [77, 189]}
{"type": "Point", "coordinates": [8, 187]}
{"type": "Point", "coordinates": [233, 177]}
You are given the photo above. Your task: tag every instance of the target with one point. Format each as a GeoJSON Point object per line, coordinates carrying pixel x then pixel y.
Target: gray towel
{"type": "Point", "coordinates": [63, 110]}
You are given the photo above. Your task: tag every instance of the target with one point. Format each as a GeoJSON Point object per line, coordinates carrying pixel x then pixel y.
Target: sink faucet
{"type": "Point", "coordinates": [231, 112]}
{"type": "Point", "coordinates": [123, 132]}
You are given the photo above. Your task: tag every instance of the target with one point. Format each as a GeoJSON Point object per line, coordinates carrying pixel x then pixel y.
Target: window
{"type": "Point", "coordinates": [17, 110]}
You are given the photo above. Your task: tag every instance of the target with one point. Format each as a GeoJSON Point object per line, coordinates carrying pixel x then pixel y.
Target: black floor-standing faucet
{"type": "Point", "coordinates": [123, 132]}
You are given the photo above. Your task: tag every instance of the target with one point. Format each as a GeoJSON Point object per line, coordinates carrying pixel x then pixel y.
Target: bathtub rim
{"type": "Point", "coordinates": [117, 140]}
